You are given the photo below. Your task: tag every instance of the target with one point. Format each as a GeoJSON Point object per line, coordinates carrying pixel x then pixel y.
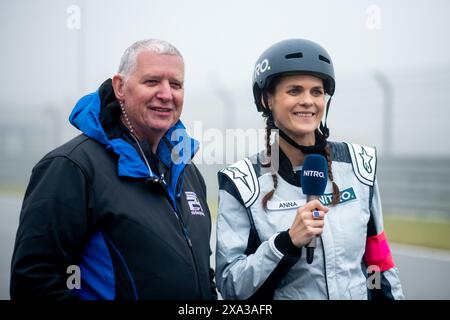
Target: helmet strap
{"type": "Point", "coordinates": [318, 147]}
{"type": "Point", "coordinates": [265, 102]}
{"type": "Point", "coordinates": [323, 126]}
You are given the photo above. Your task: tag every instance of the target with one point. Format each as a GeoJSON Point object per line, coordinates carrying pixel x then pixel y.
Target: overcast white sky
{"type": "Point", "coordinates": [45, 62]}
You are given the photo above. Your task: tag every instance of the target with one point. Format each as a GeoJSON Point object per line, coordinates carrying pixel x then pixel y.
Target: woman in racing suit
{"type": "Point", "coordinates": [264, 220]}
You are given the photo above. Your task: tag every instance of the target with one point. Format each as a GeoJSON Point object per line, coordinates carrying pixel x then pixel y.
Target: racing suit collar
{"type": "Point", "coordinates": [286, 170]}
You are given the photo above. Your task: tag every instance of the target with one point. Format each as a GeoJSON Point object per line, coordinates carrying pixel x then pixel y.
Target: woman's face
{"type": "Point", "coordinates": [297, 105]}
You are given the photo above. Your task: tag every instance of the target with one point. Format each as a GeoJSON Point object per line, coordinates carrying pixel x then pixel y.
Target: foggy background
{"type": "Point", "coordinates": [391, 60]}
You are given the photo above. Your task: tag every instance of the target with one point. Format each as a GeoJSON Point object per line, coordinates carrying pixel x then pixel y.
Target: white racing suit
{"type": "Point", "coordinates": [255, 258]}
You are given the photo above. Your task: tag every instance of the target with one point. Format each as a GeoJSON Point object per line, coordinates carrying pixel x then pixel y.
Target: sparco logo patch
{"type": "Point", "coordinates": [194, 204]}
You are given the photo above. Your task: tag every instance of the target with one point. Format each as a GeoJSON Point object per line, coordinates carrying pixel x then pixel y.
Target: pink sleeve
{"type": "Point", "coordinates": [378, 252]}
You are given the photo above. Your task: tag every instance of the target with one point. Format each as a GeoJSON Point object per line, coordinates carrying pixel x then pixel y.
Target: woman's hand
{"type": "Point", "coordinates": [305, 226]}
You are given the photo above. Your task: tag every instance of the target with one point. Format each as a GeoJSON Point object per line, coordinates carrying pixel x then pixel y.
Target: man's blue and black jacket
{"type": "Point", "coordinates": [93, 203]}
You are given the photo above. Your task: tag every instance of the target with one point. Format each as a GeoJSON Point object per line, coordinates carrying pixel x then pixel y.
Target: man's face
{"type": "Point", "coordinates": [153, 93]}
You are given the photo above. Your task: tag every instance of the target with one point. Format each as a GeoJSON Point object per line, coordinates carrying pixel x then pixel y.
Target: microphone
{"type": "Point", "coordinates": [314, 176]}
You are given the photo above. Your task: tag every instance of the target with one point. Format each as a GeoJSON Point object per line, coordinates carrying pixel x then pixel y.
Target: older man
{"type": "Point", "coordinates": [119, 212]}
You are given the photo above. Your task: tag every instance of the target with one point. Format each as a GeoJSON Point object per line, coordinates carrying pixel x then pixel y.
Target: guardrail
{"type": "Point", "coordinates": [415, 184]}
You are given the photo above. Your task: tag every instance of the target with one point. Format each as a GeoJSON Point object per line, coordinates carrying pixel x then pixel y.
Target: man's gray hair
{"type": "Point", "coordinates": [129, 57]}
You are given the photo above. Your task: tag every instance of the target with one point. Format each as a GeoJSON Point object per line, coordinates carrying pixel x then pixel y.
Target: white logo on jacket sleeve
{"type": "Point", "coordinates": [238, 174]}
{"type": "Point", "coordinates": [364, 162]}
{"type": "Point", "coordinates": [366, 158]}
{"type": "Point", "coordinates": [194, 204]}
{"type": "Point", "coordinates": [243, 176]}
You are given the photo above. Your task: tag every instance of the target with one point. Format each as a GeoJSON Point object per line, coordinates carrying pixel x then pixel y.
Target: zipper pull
{"type": "Point", "coordinates": [186, 235]}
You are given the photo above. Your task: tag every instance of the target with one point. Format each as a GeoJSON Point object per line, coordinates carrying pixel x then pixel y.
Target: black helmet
{"type": "Point", "coordinates": [292, 56]}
